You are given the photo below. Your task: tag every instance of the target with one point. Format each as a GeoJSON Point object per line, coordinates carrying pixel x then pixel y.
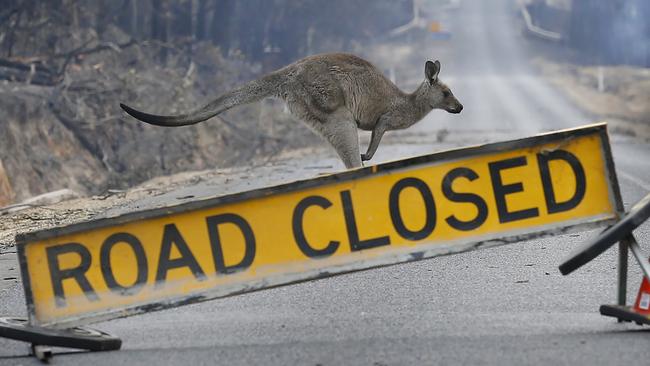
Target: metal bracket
{"type": "Point", "coordinates": [42, 353]}
{"type": "Point", "coordinates": [42, 338]}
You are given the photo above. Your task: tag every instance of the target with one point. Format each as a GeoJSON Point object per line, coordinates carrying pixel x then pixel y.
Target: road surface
{"type": "Point", "coordinates": [506, 305]}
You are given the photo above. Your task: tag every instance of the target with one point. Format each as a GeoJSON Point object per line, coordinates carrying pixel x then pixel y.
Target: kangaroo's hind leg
{"type": "Point", "coordinates": [337, 128]}
{"type": "Point", "coordinates": [343, 136]}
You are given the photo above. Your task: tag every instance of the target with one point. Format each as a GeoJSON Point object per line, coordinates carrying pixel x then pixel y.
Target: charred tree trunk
{"type": "Point", "coordinates": [221, 22]}
{"type": "Point", "coordinates": [180, 17]}
{"type": "Point", "coordinates": [200, 20]}
{"type": "Point", "coordinates": [11, 37]}
{"type": "Point", "coordinates": [155, 19]}
{"type": "Point", "coordinates": [160, 26]}
{"type": "Point", "coordinates": [133, 21]}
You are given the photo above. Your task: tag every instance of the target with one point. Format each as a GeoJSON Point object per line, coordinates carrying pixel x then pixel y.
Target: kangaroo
{"type": "Point", "coordinates": [334, 94]}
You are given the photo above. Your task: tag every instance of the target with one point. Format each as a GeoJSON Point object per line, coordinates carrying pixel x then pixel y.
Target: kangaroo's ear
{"type": "Point", "coordinates": [431, 71]}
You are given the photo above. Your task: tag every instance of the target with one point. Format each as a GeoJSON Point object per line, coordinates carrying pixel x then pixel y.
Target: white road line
{"type": "Point", "coordinates": [638, 181]}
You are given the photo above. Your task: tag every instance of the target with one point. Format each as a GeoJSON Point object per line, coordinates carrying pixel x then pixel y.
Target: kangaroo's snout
{"type": "Point", "coordinates": [455, 109]}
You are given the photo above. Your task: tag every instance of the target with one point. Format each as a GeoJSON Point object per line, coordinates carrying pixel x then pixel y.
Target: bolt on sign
{"type": "Point", "coordinates": [397, 212]}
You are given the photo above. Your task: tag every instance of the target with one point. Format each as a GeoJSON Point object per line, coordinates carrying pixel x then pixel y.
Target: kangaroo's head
{"type": "Point", "coordinates": [437, 93]}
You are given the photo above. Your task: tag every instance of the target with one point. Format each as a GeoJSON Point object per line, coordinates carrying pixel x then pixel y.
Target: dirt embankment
{"type": "Point", "coordinates": [85, 208]}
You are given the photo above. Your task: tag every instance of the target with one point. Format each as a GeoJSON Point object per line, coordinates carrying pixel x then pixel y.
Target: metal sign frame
{"type": "Point", "coordinates": [621, 232]}
{"type": "Point", "coordinates": [600, 129]}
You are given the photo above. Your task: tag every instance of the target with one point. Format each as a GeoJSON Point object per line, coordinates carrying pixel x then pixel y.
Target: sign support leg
{"type": "Point", "coordinates": [622, 273]}
{"type": "Point", "coordinates": [636, 313]}
{"type": "Point", "coordinates": [621, 232]}
{"type": "Point", "coordinates": [639, 256]}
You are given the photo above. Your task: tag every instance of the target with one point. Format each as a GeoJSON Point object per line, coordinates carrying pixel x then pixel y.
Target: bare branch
{"type": "Point", "coordinates": [102, 47]}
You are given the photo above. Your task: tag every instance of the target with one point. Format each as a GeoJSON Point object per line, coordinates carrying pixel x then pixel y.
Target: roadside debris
{"type": "Point", "coordinates": [41, 200]}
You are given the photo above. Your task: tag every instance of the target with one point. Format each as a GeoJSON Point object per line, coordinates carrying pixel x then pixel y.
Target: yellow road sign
{"type": "Point", "coordinates": [396, 212]}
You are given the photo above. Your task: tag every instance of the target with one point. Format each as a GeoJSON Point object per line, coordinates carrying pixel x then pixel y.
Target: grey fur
{"type": "Point", "coordinates": [334, 94]}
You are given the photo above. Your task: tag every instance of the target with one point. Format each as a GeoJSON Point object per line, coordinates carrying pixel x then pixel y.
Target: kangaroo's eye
{"type": "Point", "coordinates": [446, 93]}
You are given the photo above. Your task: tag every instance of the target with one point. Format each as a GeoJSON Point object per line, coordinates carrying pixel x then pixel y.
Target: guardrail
{"type": "Point", "coordinates": [535, 30]}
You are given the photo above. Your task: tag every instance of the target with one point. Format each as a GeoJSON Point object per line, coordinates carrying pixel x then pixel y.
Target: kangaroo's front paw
{"type": "Point", "coordinates": [365, 157]}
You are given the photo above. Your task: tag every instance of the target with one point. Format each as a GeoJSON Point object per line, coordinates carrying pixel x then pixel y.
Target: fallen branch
{"type": "Point", "coordinates": [101, 47]}
{"type": "Point", "coordinates": [31, 76]}
{"type": "Point", "coordinates": [33, 71]}
{"type": "Point", "coordinates": [25, 66]}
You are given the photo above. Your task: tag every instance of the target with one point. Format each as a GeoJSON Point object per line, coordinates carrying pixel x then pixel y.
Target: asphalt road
{"type": "Point", "coordinates": [505, 305]}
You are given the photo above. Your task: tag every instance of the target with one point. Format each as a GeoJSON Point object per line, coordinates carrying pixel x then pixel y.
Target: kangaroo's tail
{"type": "Point", "coordinates": [248, 93]}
